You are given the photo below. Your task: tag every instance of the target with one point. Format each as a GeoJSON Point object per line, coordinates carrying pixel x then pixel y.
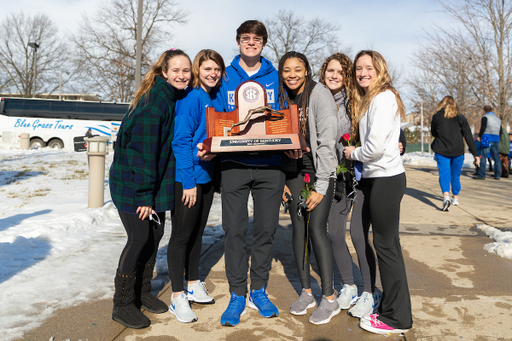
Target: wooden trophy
{"type": "Point", "coordinates": [253, 125]}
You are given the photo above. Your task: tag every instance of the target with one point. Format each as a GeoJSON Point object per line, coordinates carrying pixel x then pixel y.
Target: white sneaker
{"type": "Point", "coordinates": [455, 201]}
{"type": "Point", "coordinates": [348, 296]}
{"type": "Point", "coordinates": [446, 204]}
{"type": "Point", "coordinates": [364, 306]}
{"type": "Point", "coordinates": [181, 309]}
{"type": "Point", "coordinates": [197, 292]}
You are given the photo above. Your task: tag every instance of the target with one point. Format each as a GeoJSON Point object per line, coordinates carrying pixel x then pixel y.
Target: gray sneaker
{"type": "Point", "coordinates": [364, 306]}
{"type": "Point", "coordinates": [348, 296]}
{"type": "Point", "coordinates": [196, 292]}
{"type": "Point", "coordinates": [325, 311]}
{"type": "Point", "coordinates": [301, 306]}
{"type": "Point", "coordinates": [455, 201]}
{"type": "Point", "coordinates": [181, 309]}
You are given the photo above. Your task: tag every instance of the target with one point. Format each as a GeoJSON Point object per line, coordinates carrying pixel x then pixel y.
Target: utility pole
{"type": "Point", "coordinates": [35, 46]}
{"type": "Point", "coordinates": [421, 128]}
{"type": "Point", "coordinates": [138, 52]}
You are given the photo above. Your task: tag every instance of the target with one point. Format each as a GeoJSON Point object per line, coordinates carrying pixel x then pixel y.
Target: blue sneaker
{"type": "Point", "coordinates": [235, 309]}
{"type": "Point", "coordinates": [258, 299]}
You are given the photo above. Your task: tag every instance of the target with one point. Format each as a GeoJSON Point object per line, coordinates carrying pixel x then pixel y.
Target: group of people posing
{"type": "Point", "coordinates": [350, 122]}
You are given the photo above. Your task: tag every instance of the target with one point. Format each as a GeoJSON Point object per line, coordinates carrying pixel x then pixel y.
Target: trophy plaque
{"type": "Point", "coordinates": [253, 125]}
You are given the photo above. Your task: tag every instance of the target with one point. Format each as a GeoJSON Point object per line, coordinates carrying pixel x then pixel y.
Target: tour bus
{"type": "Point", "coordinates": [55, 123]}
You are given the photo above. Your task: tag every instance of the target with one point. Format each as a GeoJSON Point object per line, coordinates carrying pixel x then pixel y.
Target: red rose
{"type": "Point", "coordinates": [306, 178]}
{"type": "Point", "coordinates": [346, 137]}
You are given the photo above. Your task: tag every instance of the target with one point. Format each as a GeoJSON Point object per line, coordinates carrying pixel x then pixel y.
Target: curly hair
{"type": "Point", "coordinates": [346, 72]}
{"type": "Point", "coordinates": [284, 98]}
{"type": "Point", "coordinates": [360, 99]}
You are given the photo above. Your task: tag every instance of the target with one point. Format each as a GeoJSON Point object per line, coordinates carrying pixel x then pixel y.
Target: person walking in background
{"type": "Point", "coordinates": [309, 213]}
{"type": "Point", "coordinates": [194, 186]}
{"type": "Point", "coordinates": [489, 137]}
{"type": "Point", "coordinates": [503, 150]}
{"type": "Point", "coordinates": [510, 154]}
{"type": "Point", "coordinates": [336, 75]}
{"type": "Point", "coordinates": [377, 109]}
{"type": "Point", "coordinates": [142, 184]}
{"type": "Point", "coordinates": [450, 129]}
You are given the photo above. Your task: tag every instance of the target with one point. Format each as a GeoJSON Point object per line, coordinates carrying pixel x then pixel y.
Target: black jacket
{"type": "Point", "coordinates": [450, 135]}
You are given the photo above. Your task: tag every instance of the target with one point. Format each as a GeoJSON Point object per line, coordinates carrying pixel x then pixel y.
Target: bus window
{"type": "Point", "coordinates": [63, 106]}
{"type": "Point", "coordinates": [12, 107]}
{"type": "Point", "coordinates": [37, 108]}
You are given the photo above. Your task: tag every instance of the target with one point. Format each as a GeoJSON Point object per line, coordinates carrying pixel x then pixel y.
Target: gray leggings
{"type": "Point", "coordinates": [317, 235]}
{"type": "Point", "coordinates": [359, 227]}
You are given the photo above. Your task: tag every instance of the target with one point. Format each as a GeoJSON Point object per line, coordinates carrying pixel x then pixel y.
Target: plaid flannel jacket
{"type": "Point", "coordinates": [143, 170]}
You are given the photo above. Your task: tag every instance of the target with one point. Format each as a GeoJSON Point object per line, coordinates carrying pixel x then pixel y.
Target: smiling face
{"type": "Point", "coordinates": [209, 74]}
{"type": "Point", "coordinates": [250, 45]}
{"type": "Point", "coordinates": [365, 72]}
{"type": "Point", "coordinates": [333, 76]}
{"type": "Point", "coordinates": [294, 75]}
{"type": "Point", "coordinates": [178, 72]}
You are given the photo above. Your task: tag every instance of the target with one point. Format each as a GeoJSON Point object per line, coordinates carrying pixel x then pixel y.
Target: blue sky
{"type": "Point", "coordinates": [391, 27]}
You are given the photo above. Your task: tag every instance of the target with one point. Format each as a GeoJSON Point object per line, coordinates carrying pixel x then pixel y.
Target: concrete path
{"type": "Point", "coordinates": [458, 290]}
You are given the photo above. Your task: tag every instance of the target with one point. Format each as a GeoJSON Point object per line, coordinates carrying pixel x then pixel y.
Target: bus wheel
{"type": "Point", "coordinates": [37, 143]}
{"type": "Point", "coordinates": [56, 143]}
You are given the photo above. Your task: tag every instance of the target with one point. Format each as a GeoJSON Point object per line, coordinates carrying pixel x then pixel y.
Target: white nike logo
{"type": "Point", "coordinates": [267, 85]}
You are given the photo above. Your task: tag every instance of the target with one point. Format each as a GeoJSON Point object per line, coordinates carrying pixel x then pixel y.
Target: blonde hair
{"type": "Point", "coordinates": [450, 107]}
{"type": "Point", "coordinates": [157, 69]}
{"type": "Point", "coordinates": [361, 100]}
{"type": "Point", "coordinates": [200, 58]}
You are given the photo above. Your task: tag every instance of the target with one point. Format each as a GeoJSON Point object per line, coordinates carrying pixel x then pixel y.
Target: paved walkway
{"type": "Point", "coordinates": [458, 290]}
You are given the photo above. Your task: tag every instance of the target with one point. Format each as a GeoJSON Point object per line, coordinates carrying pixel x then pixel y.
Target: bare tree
{"type": "Point", "coordinates": [106, 43]}
{"type": "Point", "coordinates": [473, 63]}
{"type": "Point", "coordinates": [17, 60]}
{"type": "Point", "coordinates": [316, 38]}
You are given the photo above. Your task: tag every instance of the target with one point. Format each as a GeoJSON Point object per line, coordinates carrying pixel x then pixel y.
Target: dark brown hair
{"type": "Point", "coordinates": [487, 108]}
{"type": "Point", "coordinates": [200, 58]}
{"type": "Point", "coordinates": [284, 98]}
{"type": "Point", "coordinates": [252, 26]}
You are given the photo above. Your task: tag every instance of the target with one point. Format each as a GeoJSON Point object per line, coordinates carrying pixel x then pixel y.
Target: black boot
{"type": "Point", "coordinates": [125, 311]}
{"type": "Point", "coordinates": [143, 297]}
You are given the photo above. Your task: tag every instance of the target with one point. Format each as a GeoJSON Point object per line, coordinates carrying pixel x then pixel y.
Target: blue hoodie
{"type": "Point", "coordinates": [189, 130]}
{"type": "Point", "coordinates": [268, 77]}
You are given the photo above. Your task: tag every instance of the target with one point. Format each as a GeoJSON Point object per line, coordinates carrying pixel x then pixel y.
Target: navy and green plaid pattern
{"type": "Point", "coordinates": [143, 170]}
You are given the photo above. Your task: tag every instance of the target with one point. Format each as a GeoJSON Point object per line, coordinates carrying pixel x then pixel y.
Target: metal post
{"type": "Point", "coordinates": [60, 86]}
{"type": "Point", "coordinates": [421, 128]}
{"type": "Point", "coordinates": [138, 52]}
{"type": "Point", "coordinates": [35, 46]}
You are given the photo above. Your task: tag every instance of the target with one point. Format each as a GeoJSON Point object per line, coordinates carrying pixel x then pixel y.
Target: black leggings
{"type": "Point", "coordinates": [382, 204]}
{"type": "Point", "coordinates": [143, 239]}
{"type": "Point", "coordinates": [188, 226]}
{"type": "Point", "coordinates": [317, 234]}
{"type": "Point", "coordinates": [359, 227]}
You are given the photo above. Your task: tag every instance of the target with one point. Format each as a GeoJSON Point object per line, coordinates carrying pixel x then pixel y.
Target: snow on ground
{"type": "Point", "coordinates": [54, 251]}
{"type": "Point", "coordinates": [502, 245]}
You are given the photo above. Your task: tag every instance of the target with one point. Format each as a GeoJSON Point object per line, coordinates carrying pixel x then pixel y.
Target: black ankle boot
{"type": "Point", "coordinates": [125, 311]}
{"type": "Point", "coordinates": [143, 297]}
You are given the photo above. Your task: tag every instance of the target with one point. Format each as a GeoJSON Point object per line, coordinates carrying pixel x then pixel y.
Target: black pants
{"type": "Point", "coordinates": [266, 186]}
{"type": "Point", "coordinates": [359, 227]}
{"type": "Point", "coordinates": [382, 205]}
{"type": "Point", "coordinates": [317, 220]}
{"type": "Point", "coordinates": [188, 226]}
{"type": "Point", "coordinates": [143, 239]}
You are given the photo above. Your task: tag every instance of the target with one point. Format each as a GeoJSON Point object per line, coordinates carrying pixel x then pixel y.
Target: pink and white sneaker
{"type": "Point", "coordinates": [372, 324]}
{"type": "Point", "coordinates": [370, 317]}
